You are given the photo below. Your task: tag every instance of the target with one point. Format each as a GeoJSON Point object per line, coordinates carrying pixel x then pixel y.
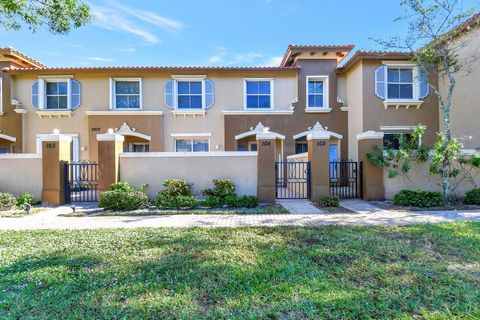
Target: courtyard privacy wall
{"type": "Point", "coordinates": [21, 173]}
{"type": "Point", "coordinates": [419, 178]}
{"type": "Point", "coordinates": [198, 168]}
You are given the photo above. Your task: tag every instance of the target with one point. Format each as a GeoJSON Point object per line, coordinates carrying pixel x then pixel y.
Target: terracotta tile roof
{"type": "Point", "coordinates": [10, 51]}
{"type": "Point", "coordinates": [360, 55]}
{"type": "Point", "coordinates": [292, 48]}
{"type": "Point", "coordinates": [466, 26]}
{"type": "Point", "coordinates": [150, 69]}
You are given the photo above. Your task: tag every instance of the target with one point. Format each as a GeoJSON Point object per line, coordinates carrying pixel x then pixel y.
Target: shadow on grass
{"type": "Point", "coordinates": [291, 273]}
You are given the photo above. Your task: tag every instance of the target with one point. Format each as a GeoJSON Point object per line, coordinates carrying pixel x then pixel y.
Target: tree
{"type": "Point", "coordinates": [60, 16]}
{"type": "Point", "coordinates": [432, 40]}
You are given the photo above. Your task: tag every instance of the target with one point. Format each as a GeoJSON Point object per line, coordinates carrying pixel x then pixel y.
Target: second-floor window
{"type": "Point", "coordinates": [189, 94]}
{"type": "Point", "coordinates": [126, 93]}
{"type": "Point", "coordinates": [57, 95]}
{"type": "Point", "coordinates": [258, 94]}
{"type": "Point", "coordinates": [399, 83]}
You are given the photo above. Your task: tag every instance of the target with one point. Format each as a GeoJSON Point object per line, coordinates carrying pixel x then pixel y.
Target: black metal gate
{"type": "Point", "coordinates": [81, 181]}
{"type": "Point", "coordinates": [292, 180]}
{"type": "Point", "coordinates": [346, 179]}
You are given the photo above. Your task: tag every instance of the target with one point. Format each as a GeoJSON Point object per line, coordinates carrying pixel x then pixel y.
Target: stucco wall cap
{"type": "Point", "coordinates": [110, 137]}
{"type": "Point", "coordinates": [367, 135]}
{"type": "Point", "coordinates": [56, 137]}
{"type": "Point", "coordinates": [317, 132]}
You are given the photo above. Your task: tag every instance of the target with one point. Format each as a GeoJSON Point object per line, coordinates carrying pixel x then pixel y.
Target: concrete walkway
{"type": "Point", "coordinates": [51, 219]}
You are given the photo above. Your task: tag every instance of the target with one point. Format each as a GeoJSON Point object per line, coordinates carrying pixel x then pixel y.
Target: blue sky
{"type": "Point", "coordinates": [209, 32]}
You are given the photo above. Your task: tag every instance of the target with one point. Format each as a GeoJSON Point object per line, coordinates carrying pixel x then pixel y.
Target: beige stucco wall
{"type": "Point", "coordinates": [229, 95]}
{"type": "Point", "coordinates": [465, 109]}
{"type": "Point", "coordinates": [154, 168]}
{"type": "Point", "coordinates": [20, 174]}
{"type": "Point", "coordinates": [354, 102]}
{"type": "Point", "coordinates": [419, 177]}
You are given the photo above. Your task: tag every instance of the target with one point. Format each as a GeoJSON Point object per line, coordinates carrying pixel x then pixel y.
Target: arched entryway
{"type": "Point", "coordinates": [134, 141]}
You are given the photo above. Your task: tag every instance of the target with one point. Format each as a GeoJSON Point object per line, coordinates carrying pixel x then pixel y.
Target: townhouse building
{"type": "Point", "coordinates": [195, 109]}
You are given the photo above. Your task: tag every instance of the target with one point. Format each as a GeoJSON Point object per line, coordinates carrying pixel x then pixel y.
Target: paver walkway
{"type": "Point", "coordinates": [51, 220]}
{"type": "Point", "coordinates": [299, 206]}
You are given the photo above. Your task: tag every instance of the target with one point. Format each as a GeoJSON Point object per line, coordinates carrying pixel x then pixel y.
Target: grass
{"type": "Point", "coordinates": [17, 213]}
{"type": "Point", "coordinates": [262, 209]}
{"type": "Point", "coordinates": [424, 271]}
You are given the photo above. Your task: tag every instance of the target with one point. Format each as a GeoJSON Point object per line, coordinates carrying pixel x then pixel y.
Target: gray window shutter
{"type": "Point", "coordinates": [424, 85]}
{"type": "Point", "coordinates": [35, 94]}
{"type": "Point", "coordinates": [380, 82]}
{"type": "Point", "coordinates": [169, 94]}
{"type": "Point", "coordinates": [209, 93]}
{"type": "Point", "coordinates": [75, 92]}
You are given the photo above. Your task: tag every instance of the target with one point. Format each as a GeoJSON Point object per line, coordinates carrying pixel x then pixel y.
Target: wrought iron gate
{"type": "Point", "coordinates": [346, 179]}
{"type": "Point", "coordinates": [292, 180]}
{"type": "Point", "coordinates": [81, 181]}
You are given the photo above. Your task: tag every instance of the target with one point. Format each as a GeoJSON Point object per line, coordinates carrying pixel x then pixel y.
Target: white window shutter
{"type": "Point", "coordinates": [35, 94]}
{"type": "Point", "coordinates": [380, 82]}
{"type": "Point", "coordinates": [112, 94]}
{"type": "Point", "coordinates": [41, 93]}
{"type": "Point", "coordinates": [423, 83]}
{"type": "Point", "coordinates": [209, 93]}
{"type": "Point", "coordinates": [169, 94]}
{"type": "Point", "coordinates": [75, 93]}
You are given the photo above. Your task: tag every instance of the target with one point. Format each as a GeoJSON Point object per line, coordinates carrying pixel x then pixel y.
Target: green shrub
{"type": "Point", "coordinates": [472, 197]}
{"type": "Point", "coordinates": [176, 187]}
{"type": "Point", "coordinates": [247, 202]}
{"type": "Point", "coordinates": [419, 198]}
{"type": "Point", "coordinates": [212, 202]}
{"type": "Point", "coordinates": [24, 200]}
{"type": "Point", "coordinates": [221, 188]}
{"type": "Point", "coordinates": [7, 201]}
{"type": "Point", "coordinates": [176, 202]}
{"type": "Point", "coordinates": [122, 200]}
{"type": "Point", "coordinates": [121, 186]}
{"type": "Point", "coordinates": [329, 202]}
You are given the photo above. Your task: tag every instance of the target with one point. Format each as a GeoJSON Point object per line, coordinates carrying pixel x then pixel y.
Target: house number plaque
{"type": "Point", "coordinates": [320, 143]}
{"type": "Point", "coordinates": [50, 145]}
{"type": "Point", "coordinates": [265, 143]}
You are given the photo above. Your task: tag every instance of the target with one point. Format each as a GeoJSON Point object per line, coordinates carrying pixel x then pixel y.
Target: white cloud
{"type": "Point", "coordinates": [108, 19]}
{"type": "Point", "coordinates": [150, 17]}
{"type": "Point", "coordinates": [99, 59]}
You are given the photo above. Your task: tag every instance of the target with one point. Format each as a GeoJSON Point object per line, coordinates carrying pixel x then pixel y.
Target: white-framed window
{"type": "Point", "coordinates": [190, 94]}
{"type": "Point", "coordinates": [317, 92]}
{"type": "Point", "coordinates": [56, 93]}
{"type": "Point", "coordinates": [392, 140]}
{"type": "Point", "coordinates": [126, 93]}
{"type": "Point", "coordinates": [401, 82]}
{"type": "Point", "coordinates": [138, 147]}
{"type": "Point", "coordinates": [192, 145]}
{"type": "Point", "coordinates": [258, 94]}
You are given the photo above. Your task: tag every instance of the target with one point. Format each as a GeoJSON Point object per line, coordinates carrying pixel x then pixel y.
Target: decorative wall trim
{"type": "Point", "coordinates": [249, 112]}
{"type": "Point", "coordinates": [124, 113]}
{"type": "Point", "coordinates": [370, 135]}
{"type": "Point", "coordinates": [189, 154]}
{"type": "Point", "coordinates": [54, 114]}
{"type": "Point", "coordinates": [110, 137]}
{"type": "Point", "coordinates": [186, 113]}
{"type": "Point", "coordinates": [187, 134]}
{"type": "Point", "coordinates": [318, 110]}
{"type": "Point", "coordinates": [20, 156]}
{"type": "Point", "coordinates": [399, 128]}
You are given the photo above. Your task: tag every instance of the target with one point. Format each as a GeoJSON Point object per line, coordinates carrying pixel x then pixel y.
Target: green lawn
{"type": "Point", "coordinates": [426, 271]}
